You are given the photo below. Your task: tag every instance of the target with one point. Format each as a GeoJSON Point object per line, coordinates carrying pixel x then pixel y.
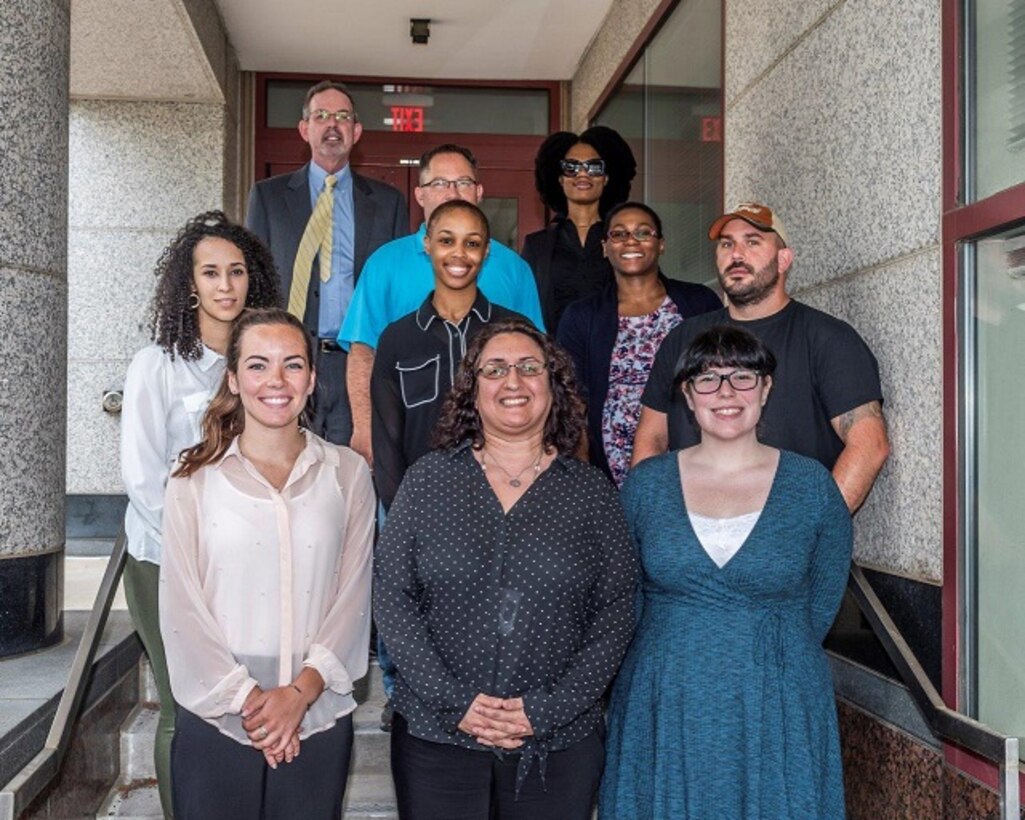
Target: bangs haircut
{"type": "Point", "coordinates": [724, 346]}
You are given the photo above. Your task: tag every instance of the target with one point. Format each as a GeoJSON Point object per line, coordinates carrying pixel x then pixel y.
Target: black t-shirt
{"type": "Point", "coordinates": [823, 370]}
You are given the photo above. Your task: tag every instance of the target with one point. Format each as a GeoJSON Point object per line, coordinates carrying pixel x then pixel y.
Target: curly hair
{"type": "Point", "coordinates": [173, 324]}
{"type": "Point", "coordinates": [225, 417]}
{"type": "Point", "coordinates": [620, 166]}
{"type": "Point", "coordinates": [460, 419]}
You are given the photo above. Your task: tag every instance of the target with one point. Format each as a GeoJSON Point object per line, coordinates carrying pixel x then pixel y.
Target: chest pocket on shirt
{"type": "Point", "coordinates": [196, 403]}
{"type": "Point", "coordinates": [419, 380]}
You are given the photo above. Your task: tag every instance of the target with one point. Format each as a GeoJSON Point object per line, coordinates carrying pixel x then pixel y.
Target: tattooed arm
{"type": "Point", "coordinates": [866, 448]}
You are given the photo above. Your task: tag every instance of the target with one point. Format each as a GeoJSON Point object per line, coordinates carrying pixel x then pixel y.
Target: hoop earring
{"type": "Point", "coordinates": [193, 301]}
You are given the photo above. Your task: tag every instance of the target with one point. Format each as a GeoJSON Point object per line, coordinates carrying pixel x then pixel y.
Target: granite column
{"type": "Point", "coordinates": [34, 65]}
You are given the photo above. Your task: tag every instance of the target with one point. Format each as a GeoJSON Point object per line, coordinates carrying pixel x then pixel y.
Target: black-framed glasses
{"type": "Point", "coordinates": [498, 369]}
{"type": "Point", "coordinates": [618, 236]}
{"type": "Point", "coordinates": [593, 167]}
{"type": "Point", "coordinates": [323, 115]}
{"type": "Point", "coordinates": [463, 184]}
{"type": "Point", "coordinates": [710, 381]}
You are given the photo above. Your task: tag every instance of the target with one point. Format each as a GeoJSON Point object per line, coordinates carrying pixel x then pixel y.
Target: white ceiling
{"type": "Point", "coordinates": [470, 39]}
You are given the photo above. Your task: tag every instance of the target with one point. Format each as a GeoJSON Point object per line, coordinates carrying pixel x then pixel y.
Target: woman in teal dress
{"type": "Point", "coordinates": [724, 706]}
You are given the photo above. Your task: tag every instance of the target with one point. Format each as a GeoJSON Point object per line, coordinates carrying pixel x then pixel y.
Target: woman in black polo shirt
{"type": "Point", "coordinates": [417, 355]}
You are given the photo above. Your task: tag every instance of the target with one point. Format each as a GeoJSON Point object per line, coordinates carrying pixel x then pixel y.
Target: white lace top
{"type": "Point", "coordinates": [722, 537]}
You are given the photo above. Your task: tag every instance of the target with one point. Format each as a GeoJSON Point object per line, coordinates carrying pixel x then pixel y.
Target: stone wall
{"type": "Point", "coordinates": [833, 117]}
{"type": "Point", "coordinates": [139, 170]}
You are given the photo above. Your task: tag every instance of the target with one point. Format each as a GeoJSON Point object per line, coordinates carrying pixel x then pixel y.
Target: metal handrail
{"type": "Point", "coordinates": [944, 722]}
{"type": "Point", "coordinates": [29, 783]}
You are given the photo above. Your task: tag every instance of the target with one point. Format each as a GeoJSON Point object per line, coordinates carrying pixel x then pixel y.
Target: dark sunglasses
{"type": "Point", "coordinates": [593, 167]}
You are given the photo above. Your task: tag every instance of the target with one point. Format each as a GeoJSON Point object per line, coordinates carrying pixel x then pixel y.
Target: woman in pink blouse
{"type": "Point", "coordinates": [265, 592]}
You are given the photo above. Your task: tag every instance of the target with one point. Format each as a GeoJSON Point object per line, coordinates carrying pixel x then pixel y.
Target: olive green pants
{"type": "Point", "coordinates": [142, 582]}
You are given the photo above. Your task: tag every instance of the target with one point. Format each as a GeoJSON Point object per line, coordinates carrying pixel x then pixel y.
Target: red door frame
{"type": "Point", "coordinates": [495, 152]}
{"type": "Point", "coordinates": [960, 222]}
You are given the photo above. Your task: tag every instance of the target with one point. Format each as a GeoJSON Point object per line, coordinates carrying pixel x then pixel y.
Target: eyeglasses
{"type": "Point", "coordinates": [499, 370]}
{"type": "Point", "coordinates": [618, 236]}
{"type": "Point", "coordinates": [710, 382]}
{"type": "Point", "coordinates": [593, 167]}
{"type": "Point", "coordinates": [463, 184]}
{"type": "Point", "coordinates": [322, 115]}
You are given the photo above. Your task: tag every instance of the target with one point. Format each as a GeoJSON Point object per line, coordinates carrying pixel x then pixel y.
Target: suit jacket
{"type": "Point", "coordinates": [588, 331]}
{"type": "Point", "coordinates": [279, 208]}
{"type": "Point", "coordinates": [538, 250]}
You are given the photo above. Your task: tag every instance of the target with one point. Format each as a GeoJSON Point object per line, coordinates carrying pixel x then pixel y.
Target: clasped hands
{"type": "Point", "coordinates": [497, 722]}
{"type": "Point", "coordinates": [271, 719]}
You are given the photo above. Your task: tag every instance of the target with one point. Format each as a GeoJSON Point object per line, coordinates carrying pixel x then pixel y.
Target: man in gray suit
{"type": "Point", "coordinates": [354, 216]}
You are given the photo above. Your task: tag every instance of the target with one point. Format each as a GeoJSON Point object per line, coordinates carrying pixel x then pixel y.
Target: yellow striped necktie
{"type": "Point", "coordinates": [316, 239]}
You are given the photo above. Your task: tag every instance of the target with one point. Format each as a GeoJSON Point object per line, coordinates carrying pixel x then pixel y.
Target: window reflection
{"type": "Point", "coordinates": [997, 90]}
{"type": "Point", "coordinates": [999, 437]}
{"type": "Point", "coordinates": [669, 110]}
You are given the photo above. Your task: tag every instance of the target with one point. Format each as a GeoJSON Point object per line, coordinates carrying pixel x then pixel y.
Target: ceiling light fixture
{"type": "Point", "coordinates": [420, 30]}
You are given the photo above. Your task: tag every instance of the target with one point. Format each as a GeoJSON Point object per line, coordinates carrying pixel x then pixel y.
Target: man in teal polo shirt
{"type": "Point", "coordinates": [398, 276]}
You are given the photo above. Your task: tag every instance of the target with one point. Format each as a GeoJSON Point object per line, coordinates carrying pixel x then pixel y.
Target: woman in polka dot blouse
{"type": "Point", "coordinates": [505, 583]}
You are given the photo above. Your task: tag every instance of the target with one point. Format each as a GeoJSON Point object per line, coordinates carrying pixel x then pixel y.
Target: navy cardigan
{"type": "Point", "coordinates": [588, 331]}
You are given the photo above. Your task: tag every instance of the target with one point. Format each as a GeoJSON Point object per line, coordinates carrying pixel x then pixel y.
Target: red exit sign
{"type": "Point", "coordinates": [407, 118]}
{"type": "Point", "coordinates": [711, 129]}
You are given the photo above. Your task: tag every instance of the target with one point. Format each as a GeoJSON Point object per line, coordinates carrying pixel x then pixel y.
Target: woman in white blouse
{"type": "Point", "coordinates": [209, 273]}
{"type": "Point", "coordinates": [265, 592]}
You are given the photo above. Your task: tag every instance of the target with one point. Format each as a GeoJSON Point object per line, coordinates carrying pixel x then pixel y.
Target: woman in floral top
{"type": "Point", "coordinates": [613, 336]}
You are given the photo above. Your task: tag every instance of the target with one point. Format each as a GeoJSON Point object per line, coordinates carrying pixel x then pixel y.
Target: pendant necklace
{"type": "Point", "coordinates": [514, 480]}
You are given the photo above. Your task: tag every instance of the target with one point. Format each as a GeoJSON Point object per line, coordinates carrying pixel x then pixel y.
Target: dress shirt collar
{"type": "Point", "coordinates": [209, 359]}
{"type": "Point", "coordinates": [464, 450]}
{"type": "Point", "coordinates": [313, 453]}
{"type": "Point", "coordinates": [427, 313]}
{"type": "Point", "coordinates": [318, 175]}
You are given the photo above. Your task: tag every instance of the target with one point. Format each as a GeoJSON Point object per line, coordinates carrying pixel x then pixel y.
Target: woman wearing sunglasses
{"type": "Point", "coordinates": [613, 335]}
{"type": "Point", "coordinates": [724, 706]}
{"type": "Point", "coordinates": [504, 589]}
{"type": "Point", "coordinates": [579, 178]}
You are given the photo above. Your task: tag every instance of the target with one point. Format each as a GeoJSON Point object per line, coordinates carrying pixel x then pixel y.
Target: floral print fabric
{"type": "Point", "coordinates": [637, 342]}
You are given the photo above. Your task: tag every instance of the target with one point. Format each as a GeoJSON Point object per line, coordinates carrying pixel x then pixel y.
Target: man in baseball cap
{"type": "Point", "coordinates": [761, 216]}
{"type": "Point", "coordinates": [826, 401]}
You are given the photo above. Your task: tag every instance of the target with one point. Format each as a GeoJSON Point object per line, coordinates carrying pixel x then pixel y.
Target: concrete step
{"type": "Point", "coordinates": [369, 795]}
{"type": "Point", "coordinates": [147, 684]}
{"type": "Point", "coordinates": [138, 735]}
{"type": "Point", "coordinates": [138, 801]}
{"type": "Point", "coordinates": [82, 576]}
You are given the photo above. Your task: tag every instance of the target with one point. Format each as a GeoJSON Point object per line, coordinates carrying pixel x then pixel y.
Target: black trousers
{"type": "Point", "coordinates": [436, 781]}
{"type": "Point", "coordinates": [216, 778]}
{"type": "Point", "coordinates": [332, 416]}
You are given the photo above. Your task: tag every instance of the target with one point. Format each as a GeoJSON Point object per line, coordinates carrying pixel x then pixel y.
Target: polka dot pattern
{"type": "Point", "coordinates": [535, 603]}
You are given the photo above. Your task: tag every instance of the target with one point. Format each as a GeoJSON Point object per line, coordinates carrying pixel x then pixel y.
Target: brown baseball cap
{"type": "Point", "coordinates": [761, 216]}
